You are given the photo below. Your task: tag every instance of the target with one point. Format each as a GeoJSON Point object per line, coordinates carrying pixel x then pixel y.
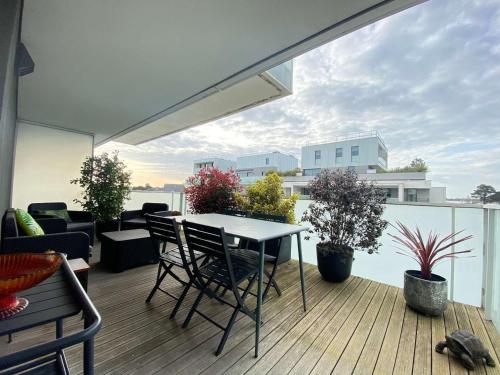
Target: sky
{"type": "Point", "coordinates": [427, 79]}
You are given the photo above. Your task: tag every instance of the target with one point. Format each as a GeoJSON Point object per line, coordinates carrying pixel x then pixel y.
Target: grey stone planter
{"type": "Point", "coordinates": [429, 297]}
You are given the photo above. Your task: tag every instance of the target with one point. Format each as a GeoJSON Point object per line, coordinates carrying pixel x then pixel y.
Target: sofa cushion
{"type": "Point", "coordinates": [79, 227]}
{"type": "Point", "coordinates": [61, 213]}
{"type": "Point", "coordinates": [29, 226]}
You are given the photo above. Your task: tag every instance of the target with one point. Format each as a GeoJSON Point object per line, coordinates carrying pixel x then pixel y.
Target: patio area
{"type": "Point", "coordinates": [358, 326]}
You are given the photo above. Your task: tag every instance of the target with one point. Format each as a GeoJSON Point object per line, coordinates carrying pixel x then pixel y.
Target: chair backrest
{"type": "Point", "coordinates": [150, 208]}
{"type": "Point", "coordinates": [235, 213]}
{"type": "Point", "coordinates": [268, 217]}
{"type": "Point", "coordinates": [165, 230]}
{"type": "Point", "coordinates": [33, 208]}
{"type": "Point", "coordinates": [209, 241]}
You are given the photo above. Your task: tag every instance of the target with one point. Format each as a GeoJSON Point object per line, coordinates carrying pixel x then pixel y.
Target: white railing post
{"type": "Point", "coordinates": [452, 271]}
{"type": "Point", "coordinates": [489, 248]}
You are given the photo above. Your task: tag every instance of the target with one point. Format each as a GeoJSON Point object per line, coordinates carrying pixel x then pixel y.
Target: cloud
{"type": "Point", "coordinates": [428, 79]}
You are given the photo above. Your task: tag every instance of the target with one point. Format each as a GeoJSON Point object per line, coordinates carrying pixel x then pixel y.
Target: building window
{"type": "Point", "coordinates": [267, 161]}
{"type": "Point", "coordinates": [317, 157]}
{"type": "Point", "coordinates": [354, 153]}
{"type": "Point", "coordinates": [382, 153]}
{"type": "Point", "coordinates": [338, 155]}
{"type": "Point", "coordinates": [411, 195]}
{"type": "Point", "coordinates": [312, 172]}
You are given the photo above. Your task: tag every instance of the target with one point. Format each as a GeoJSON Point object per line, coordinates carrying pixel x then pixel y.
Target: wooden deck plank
{"type": "Point", "coordinates": [201, 356]}
{"type": "Point", "coordinates": [319, 344]}
{"type": "Point", "coordinates": [368, 357]}
{"type": "Point", "coordinates": [282, 338]}
{"type": "Point", "coordinates": [352, 351]}
{"type": "Point", "coordinates": [451, 325]}
{"type": "Point", "coordinates": [422, 361]}
{"type": "Point", "coordinates": [440, 363]}
{"type": "Point", "coordinates": [390, 345]}
{"type": "Point", "coordinates": [358, 326]}
{"type": "Point", "coordinates": [492, 332]}
{"type": "Point", "coordinates": [480, 331]}
{"type": "Point", "coordinates": [327, 362]}
{"type": "Point", "coordinates": [406, 348]}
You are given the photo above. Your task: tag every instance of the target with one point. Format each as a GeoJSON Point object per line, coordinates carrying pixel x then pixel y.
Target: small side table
{"type": "Point", "coordinates": [53, 300]}
{"type": "Point", "coordinates": [126, 249]}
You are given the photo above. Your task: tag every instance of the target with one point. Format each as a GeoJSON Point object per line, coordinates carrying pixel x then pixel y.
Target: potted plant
{"type": "Point", "coordinates": [106, 186]}
{"type": "Point", "coordinates": [266, 196]}
{"type": "Point", "coordinates": [346, 215]}
{"type": "Point", "coordinates": [425, 291]}
{"type": "Point", "coordinates": [212, 191]}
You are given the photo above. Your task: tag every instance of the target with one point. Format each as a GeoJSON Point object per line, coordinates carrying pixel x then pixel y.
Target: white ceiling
{"type": "Point", "coordinates": [107, 67]}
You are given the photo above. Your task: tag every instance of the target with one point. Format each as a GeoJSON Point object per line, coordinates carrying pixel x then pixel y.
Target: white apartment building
{"type": "Point", "coordinates": [361, 152]}
{"type": "Point", "coordinates": [222, 164]}
{"type": "Point", "coordinates": [258, 165]}
{"type": "Point", "coordinates": [399, 187]}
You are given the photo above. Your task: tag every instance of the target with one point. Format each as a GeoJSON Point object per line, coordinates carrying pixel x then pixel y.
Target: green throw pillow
{"type": "Point", "coordinates": [28, 224]}
{"type": "Point", "coordinates": [62, 214]}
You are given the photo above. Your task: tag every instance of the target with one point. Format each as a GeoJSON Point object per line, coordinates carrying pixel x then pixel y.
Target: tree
{"type": "Point", "coordinates": [106, 186]}
{"type": "Point", "coordinates": [418, 165]}
{"type": "Point", "coordinates": [482, 192]}
{"type": "Point", "coordinates": [211, 190]}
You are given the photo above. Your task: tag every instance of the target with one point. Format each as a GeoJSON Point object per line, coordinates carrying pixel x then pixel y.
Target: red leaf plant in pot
{"type": "Point", "coordinates": [425, 291]}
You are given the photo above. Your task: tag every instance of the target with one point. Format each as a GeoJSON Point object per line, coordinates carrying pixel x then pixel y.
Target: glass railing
{"type": "Point", "coordinates": [472, 280]}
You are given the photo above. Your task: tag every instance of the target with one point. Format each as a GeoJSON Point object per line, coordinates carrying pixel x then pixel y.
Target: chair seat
{"type": "Point", "coordinates": [251, 256]}
{"type": "Point", "coordinates": [174, 256]}
{"type": "Point", "coordinates": [136, 222]}
{"type": "Point", "coordinates": [79, 227]}
{"type": "Point", "coordinates": [218, 271]}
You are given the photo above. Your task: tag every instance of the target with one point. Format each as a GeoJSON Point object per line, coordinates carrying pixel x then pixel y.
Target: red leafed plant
{"type": "Point", "coordinates": [211, 190]}
{"type": "Point", "coordinates": [427, 253]}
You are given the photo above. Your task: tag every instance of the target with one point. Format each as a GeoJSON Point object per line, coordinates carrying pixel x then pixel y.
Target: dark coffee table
{"type": "Point", "coordinates": [126, 249]}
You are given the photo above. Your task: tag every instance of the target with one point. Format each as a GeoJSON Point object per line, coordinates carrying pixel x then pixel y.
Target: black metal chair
{"type": "Point", "coordinates": [164, 230]}
{"type": "Point", "coordinates": [249, 250]}
{"type": "Point", "coordinates": [223, 269]}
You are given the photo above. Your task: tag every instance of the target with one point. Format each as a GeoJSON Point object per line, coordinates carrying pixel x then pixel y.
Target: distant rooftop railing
{"type": "Point", "coordinates": [350, 137]}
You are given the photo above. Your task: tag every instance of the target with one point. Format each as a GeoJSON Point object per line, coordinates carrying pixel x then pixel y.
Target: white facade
{"type": "Point", "coordinates": [222, 164]}
{"type": "Point", "coordinates": [46, 159]}
{"type": "Point", "coordinates": [269, 161]}
{"type": "Point", "coordinates": [360, 152]}
{"type": "Point", "coordinates": [400, 187]}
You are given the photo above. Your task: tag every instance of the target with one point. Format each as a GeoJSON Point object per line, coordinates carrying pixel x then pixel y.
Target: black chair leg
{"type": "Point", "coordinates": [159, 280]}
{"type": "Point", "coordinates": [181, 298]}
{"type": "Point", "coordinates": [227, 331]}
{"type": "Point", "coordinates": [195, 305]}
{"type": "Point", "coordinates": [272, 282]}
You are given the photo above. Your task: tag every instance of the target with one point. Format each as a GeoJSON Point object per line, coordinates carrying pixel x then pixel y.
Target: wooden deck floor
{"type": "Point", "coordinates": [359, 326]}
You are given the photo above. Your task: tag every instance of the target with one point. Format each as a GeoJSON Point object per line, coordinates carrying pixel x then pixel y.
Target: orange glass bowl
{"type": "Point", "coordinates": [20, 272]}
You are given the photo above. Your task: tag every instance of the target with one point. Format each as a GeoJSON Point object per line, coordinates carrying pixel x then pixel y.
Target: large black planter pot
{"type": "Point", "coordinates": [429, 297]}
{"type": "Point", "coordinates": [334, 264]}
{"type": "Point", "coordinates": [106, 226]}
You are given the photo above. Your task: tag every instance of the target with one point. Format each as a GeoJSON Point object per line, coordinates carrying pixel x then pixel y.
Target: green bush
{"type": "Point", "coordinates": [267, 196]}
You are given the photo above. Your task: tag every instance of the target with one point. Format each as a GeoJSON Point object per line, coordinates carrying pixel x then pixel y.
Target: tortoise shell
{"type": "Point", "coordinates": [469, 342]}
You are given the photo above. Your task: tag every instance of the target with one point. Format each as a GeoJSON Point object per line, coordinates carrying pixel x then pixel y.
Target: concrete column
{"type": "Point", "coordinates": [10, 21]}
{"type": "Point", "coordinates": [401, 193]}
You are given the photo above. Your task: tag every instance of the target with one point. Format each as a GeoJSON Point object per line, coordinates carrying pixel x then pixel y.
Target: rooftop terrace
{"type": "Point", "coordinates": [358, 326]}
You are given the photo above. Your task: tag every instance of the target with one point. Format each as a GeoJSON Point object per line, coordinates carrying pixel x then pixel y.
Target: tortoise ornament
{"type": "Point", "coordinates": [467, 347]}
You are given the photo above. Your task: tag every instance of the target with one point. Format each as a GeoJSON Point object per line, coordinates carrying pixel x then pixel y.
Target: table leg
{"type": "Point", "coordinates": [259, 297]}
{"type": "Point", "coordinates": [301, 268]}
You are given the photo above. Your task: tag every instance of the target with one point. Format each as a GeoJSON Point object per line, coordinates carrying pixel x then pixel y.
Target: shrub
{"type": "Point", "coordinates": [346, 214]}
{"type": "Point", "coordinates": [267, 196]}
{"type": "Point", "coordinates": [426, 253]}
{"type": "Point", "coordinates": [106, 186]}
{"type": "Point", "coordinates": [211, 190]}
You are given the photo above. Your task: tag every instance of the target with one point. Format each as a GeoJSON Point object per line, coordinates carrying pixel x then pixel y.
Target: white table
{"type": "Point", "coordinates": [258, 231]}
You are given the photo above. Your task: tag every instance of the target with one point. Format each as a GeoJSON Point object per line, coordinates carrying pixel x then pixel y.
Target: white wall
{"type": "Point", "coordinates": [46, 159]}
